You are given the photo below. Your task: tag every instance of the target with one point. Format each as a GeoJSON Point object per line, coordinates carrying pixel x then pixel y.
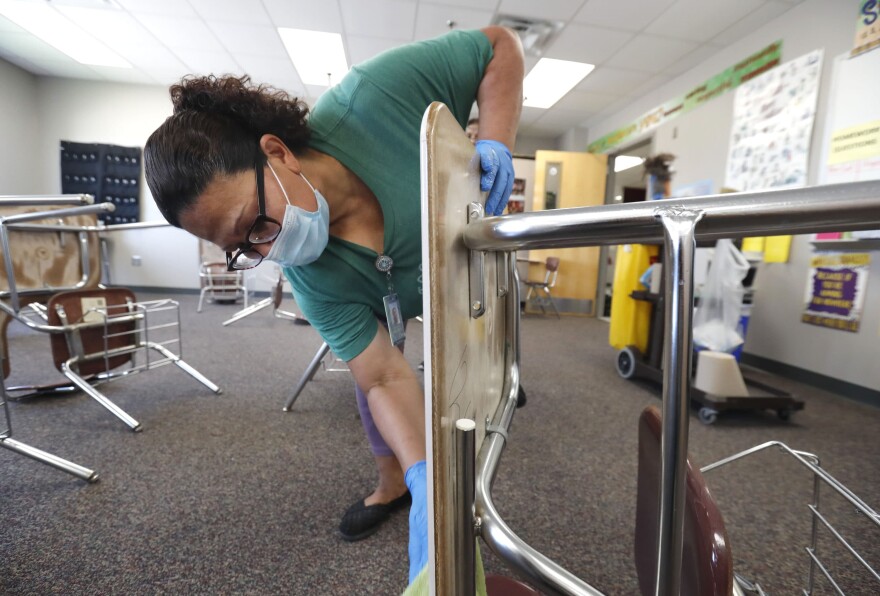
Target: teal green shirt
{"type": "Point", "coordinates": [370, 122]}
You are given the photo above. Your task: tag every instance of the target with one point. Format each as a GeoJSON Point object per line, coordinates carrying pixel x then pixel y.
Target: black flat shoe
{"type": "Point", "coordinates": [361, 521]}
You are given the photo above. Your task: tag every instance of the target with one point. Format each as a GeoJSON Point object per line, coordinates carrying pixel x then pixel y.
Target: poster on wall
{"type": "Point", "coordinates": [772, 125]}
{"type": "Point", "coordinates": [835, 292]}
{"type": "Point", "coordinates": [867, 27]}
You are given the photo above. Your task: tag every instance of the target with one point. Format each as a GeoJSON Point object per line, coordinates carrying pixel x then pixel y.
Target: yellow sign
{"type": "Point", "coordinates": [855, 143]}
{"type": "Point", "coordinates": [841, 260]}
{"type": "Point", "coordinates": [776, 249]}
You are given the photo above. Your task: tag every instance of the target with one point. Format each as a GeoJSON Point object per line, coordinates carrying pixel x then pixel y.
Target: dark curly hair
{"type": "Point", "coordinates": [215, 130]}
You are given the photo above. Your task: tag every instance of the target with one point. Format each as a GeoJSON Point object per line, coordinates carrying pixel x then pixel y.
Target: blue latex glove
{"type": "Point", "coordinates": [497, 165]}
{"type": "Point", "coordinates": [417, 482]}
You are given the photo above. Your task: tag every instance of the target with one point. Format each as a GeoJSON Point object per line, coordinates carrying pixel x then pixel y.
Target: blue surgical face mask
{"type": "Point", "coordinates": [304, 234]}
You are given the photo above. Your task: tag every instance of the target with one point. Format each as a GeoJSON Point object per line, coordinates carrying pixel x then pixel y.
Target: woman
{"type": "Point", "coordinates": [335, 200]}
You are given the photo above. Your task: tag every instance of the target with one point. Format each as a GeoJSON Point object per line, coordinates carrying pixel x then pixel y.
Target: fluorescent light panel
{"type": "Point", "coordinates": [49, 25]}
{"type": "Point", "coordinates": [315, 55]}
{"type": "Point", "coordinates": [625, 162]}
{"type": "Point", "coordinates": [551, 79]}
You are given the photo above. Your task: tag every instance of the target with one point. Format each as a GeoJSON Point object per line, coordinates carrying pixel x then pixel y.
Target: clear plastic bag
{"type": "Point", "coordinates": [717, 318]}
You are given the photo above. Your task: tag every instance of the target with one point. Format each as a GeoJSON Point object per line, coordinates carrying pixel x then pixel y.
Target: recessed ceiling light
{"type": "Point", "coordinates": [550, 79]}
{"type": "Point", "coordinates": [52, 27]}
{"type": "Point", "coordinates": [318, 57]}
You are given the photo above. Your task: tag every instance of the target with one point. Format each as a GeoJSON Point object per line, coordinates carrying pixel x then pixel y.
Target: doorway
{"type": "Point", "coordinates": [626, 183]}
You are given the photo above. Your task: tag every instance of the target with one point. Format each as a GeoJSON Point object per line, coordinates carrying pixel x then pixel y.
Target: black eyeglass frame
{"type": "Point", "coordinates": [261, 217]}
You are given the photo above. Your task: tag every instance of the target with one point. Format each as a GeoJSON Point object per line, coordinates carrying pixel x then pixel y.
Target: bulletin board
{"type": "Point", "coordinates": [852, 109]}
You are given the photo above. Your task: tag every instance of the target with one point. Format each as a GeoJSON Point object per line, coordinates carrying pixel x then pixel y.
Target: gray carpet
{"type": "Point", "coordinates": [229, 495]}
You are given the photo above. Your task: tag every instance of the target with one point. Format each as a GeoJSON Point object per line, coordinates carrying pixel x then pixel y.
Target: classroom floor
{"type": "Point", "coordinates": [229, 495]}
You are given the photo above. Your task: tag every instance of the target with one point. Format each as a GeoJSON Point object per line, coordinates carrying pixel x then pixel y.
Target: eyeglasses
{"type": "Point", "coordinates": [264, 229]}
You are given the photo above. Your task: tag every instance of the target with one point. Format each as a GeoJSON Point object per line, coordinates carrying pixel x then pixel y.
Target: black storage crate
{"type": "Point", "coordinates": [109, 172]}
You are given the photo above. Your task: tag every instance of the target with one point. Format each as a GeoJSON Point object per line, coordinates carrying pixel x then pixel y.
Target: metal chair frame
{"type": "Point", "coordinates": [138, 315]}
{"type": "Point", "coordinates": [537, 288]}
{"type": "Point", "coordinates": [276, 295]}
{"type": "Point", "coordinates": [219, 284]}
{"type": "Point", "coordinates": [318, 361]}
{"type": "Point", "coordinates": [674, 223]}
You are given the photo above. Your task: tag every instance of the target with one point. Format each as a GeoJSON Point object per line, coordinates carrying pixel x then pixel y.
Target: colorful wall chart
{"type": "Point", "coordinates": [835, 293]}
{"type": "Point", "coordinates": [772, 126]}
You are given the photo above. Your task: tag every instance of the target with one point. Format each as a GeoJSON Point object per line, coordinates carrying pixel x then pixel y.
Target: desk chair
{"type": "Point", "coordinates": [539, 290]}
{"type": "Point", "coordinates": [217, 284]}
{"type": "Point", "coordinates": [39, 455]}
{"type": "Point", "coordinates": [97, 331]}
{"type": "Point", "coordinates": [707, 562]}
{"type": "Point", "coordinates": [274, 300]}
{"type": "Point", "coordinates": [320, 359]}
{"type": "Point", "coordinates": [93, 329]}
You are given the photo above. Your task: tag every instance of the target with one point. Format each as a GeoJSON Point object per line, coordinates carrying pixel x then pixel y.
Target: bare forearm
{"type": "Point", "coordinates": [499, 96]}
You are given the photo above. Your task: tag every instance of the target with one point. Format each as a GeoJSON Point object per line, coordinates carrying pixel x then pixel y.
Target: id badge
{"type": "Point", "coordinates": [394, 319]}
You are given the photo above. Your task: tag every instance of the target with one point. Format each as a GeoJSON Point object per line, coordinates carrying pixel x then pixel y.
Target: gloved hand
{"type": "Point", "coordinates": [497, 165]}
{"type": "Point", "coordinates": [417, 481]}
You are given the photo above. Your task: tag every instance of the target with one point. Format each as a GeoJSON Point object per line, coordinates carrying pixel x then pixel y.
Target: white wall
{"type": "Point", "coordinates": [527, 145]}
{"type": "Point", "coordinates": [118, 114]}
{"type": "Point", "coordinates": [19, 132]}
{"type": "Point", "coordinates": [700, 141]}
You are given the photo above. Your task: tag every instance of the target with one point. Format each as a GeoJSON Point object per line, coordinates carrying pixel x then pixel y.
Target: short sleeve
{"type": "Point", "coordinates": [447, 68]}
{"type": "Point", "coordinates": [347, 328]}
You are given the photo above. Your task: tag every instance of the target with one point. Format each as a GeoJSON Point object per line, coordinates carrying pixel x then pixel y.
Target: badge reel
{"type": "Point", "coordinates": [393, 316]}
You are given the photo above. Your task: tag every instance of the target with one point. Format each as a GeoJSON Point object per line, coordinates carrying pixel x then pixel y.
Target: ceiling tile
{"type": "Point", "coordinates": [249, 12]}
{"type": "Point", "coordinates": [166, 76]}
{"type": "Point", "coordinates": [305, 14]}
{"type": "Point", "coordinates": [176, 8]}
{"type": "Point", "coordinates": [529, 63]}
{"type": "Point", "coordinates": [530, 115]}
{"type": "Point", "coordinates": [276, 72]}
{"type": "Point", "coordinates": [155, 57]}
{"type": "Point", "coordinates": [585, 101]}
{"type": "Point", "coordinates": [583, 43]}
{"type": "Point", "coordinates": [66, 67]}
{"type": "Point", "coordinates": [694, 58]}
{"type": "Point", "coordinates": [124, 75]}
{"type": "Point", "coordinates": [549, 10]}
{"type": "Point", "coordinates": [650, 85]}
{"type": "Point", "coordinates": [612, 81]}
{"type": "Point", "coordinates": [32, 48]}
{"type": "Point", "coordinates": [559, 122]}
{"type": "Point", "coordinates": [478, 4]}
{"type": "Point", "coordinates": [755, 20]}
{"type": "Point", "coordinates": [362, 48]}
{"type": "Point", "coordinates": [392, 19]}
{"type": "Point", "coordinates": [698, 20]}
{"type": "Point", "coordinates": [181, 33]}
{"type": "Point", "coordinates": [315, 91]}
{"type": "Point", "coordinates": [627, 16]}
{"type": "Point", "coordinates": [650, 53]}
{"type": "Point", "coordinates": [203, 62]}
{"type": "Point", "coordinates": [249, 39]}
{"type": "Point", "coordinates": [121, 32]}
{"type": "Point", "coordinates": [431, 19]}
{"type": "Point", "coordinates": [7, 26]}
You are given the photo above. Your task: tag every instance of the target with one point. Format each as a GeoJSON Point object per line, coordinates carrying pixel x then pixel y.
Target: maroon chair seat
{"type": "Point", "coordinates": [707, 562]}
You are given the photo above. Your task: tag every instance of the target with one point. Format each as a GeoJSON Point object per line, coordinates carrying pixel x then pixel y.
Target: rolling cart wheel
{"type": "Point", "coordinates": [626, 363]}
{"type": "Point", "coordinates": [784, 414]}
{"type": "Point", "coordinates": [708, 415]}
